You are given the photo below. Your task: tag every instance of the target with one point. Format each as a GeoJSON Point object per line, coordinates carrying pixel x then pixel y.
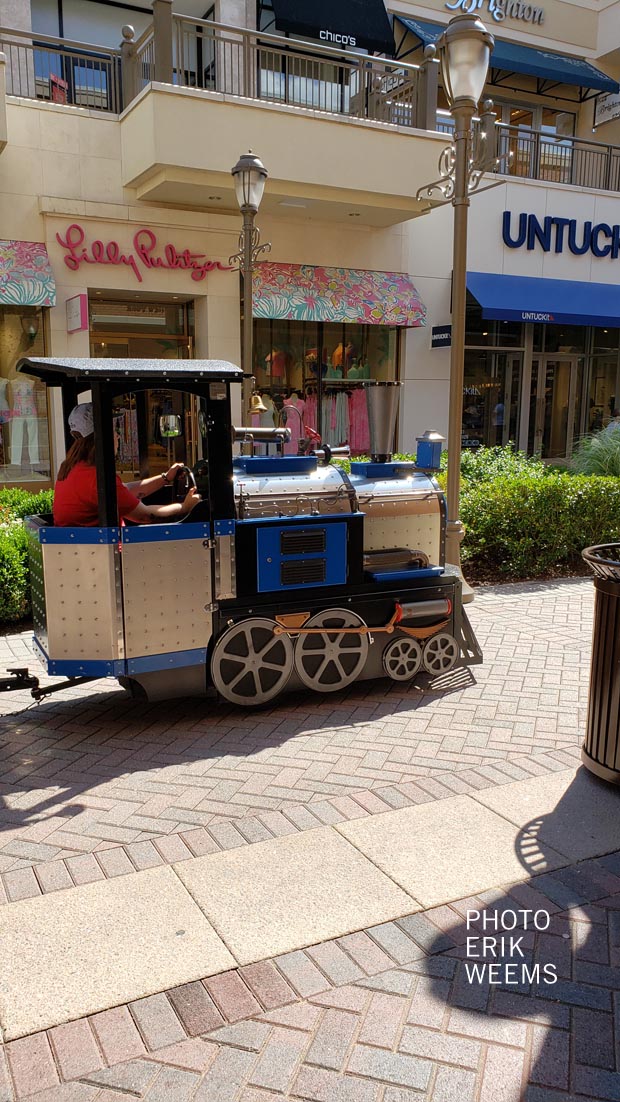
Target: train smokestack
{"type": "Point", "coordinates": [382, 402]}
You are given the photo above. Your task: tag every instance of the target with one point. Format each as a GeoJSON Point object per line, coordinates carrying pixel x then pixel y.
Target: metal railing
{"type": "Point", "coordinates": [552, 158]}
{"type": "Point", "coordinates": [558, 160]}
{"type": "Point", "coordinates": [59, 71]}
{"type": "Point", "coordinates": [218, 58]}
{"type": "Point", "coordinates": [145, 57]}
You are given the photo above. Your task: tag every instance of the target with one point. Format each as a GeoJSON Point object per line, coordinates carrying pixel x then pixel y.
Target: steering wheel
{"type": "Point", "coordinates": [183, 482]}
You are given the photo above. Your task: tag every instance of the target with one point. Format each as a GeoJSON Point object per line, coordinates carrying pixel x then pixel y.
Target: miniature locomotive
{"type": "Point", "coordinates": [289, 574]}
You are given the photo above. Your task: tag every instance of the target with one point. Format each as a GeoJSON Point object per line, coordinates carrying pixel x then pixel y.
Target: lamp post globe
{"type": "Point", "coordinates": [249, 175]}
{"type": "Point", "coordinates": [464, 54]}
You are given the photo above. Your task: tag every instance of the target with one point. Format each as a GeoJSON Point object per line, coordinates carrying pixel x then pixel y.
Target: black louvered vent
{"type": "Point", "coordinates": [310, 541]}
{"type": "Point", "coordinates": [302, 571]}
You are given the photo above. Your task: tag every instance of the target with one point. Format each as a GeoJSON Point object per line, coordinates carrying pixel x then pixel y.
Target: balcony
{"type": "Point", "coordinates": [192, 93]}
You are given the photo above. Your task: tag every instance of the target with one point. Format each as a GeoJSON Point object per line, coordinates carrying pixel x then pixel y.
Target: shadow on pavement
{"type": "Point", "coordinates": [552, 961]}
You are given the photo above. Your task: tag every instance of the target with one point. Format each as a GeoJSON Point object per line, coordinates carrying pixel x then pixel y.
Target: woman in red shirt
{"type": "Point", "coordinates": [76, 502]}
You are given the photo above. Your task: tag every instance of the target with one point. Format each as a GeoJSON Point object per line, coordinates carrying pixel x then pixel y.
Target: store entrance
{"type": "Point", "coordinates": [555, 406]}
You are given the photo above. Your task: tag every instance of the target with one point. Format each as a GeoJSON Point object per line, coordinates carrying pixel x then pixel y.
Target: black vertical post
{"type": "Point", "coordinates": [104, 454]}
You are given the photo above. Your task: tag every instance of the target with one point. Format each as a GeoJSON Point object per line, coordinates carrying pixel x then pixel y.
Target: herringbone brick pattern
{"type": "Point", "coordinates": [93, 785]}
{"type": "Point", "coordinates": [405, 1026]}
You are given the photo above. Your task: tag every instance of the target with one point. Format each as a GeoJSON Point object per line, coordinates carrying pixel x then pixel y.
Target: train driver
{"type": "Point", "coordinates": [75, 492]}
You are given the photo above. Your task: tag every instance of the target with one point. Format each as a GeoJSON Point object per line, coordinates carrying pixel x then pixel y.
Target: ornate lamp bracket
{"type": "Point", "coordinates": [480, 160]}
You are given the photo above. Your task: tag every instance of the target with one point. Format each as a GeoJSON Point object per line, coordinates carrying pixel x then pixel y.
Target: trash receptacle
{"type": "Point", "coordinates": [601, 749]}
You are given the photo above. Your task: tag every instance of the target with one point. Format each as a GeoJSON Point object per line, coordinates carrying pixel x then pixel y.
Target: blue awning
{"type": "Point", "coordinates": [559, 301]}
{"type": "Point", "coordinates": [515, 58]}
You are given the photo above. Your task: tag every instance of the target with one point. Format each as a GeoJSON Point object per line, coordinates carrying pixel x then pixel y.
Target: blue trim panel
{"type": "Point", "coordinates": [77, 535]}
{"type": "Point", "coordinates": [73, 667]}
{"type": "Point", "coordinates": [224, 527]}
{"type": "Point", "coordinates": [383, 470]}
{"type": "Point", "coordinates": [407, 575]}
{"type": "Point", "coordinates": [270, 559]}
{"type": "Point", "coordinates": [299, 519]}
{"type": "Point", "coordinates": [275, 464]}
{"type": "Point", "coordinates": [165, 533]}
{"type": "Point", "coordinates": [170, 661]}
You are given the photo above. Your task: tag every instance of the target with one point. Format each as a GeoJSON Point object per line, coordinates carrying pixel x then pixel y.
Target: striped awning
{"type": "Point", "coordinates": [304, 292]}
{"type": "Point", "coordinates": [25, 274]}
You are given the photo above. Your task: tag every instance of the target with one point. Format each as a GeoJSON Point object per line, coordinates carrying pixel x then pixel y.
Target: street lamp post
{"type": "Point", "coordinates": [464, 51]}
{"type": "Point", "coordinates": [249, 175]}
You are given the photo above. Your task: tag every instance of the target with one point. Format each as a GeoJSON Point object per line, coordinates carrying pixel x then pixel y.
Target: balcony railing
{"type": "Point", "coordinates": [552, 158]}
{"type": "Point", "coordinates": [558, 160]}
{"type": "Point", "coordinates": [238, 62]}
{"type": "Point", "coordinates": [45, 68]}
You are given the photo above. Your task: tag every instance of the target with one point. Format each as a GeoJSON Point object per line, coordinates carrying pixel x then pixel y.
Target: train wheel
{"type": "Point", "coordinates": [440, 653]}
{"type": "Point", "coordinates": [331, 660]}
{"type": "Point", "coordinates": [251, 665]}
{"type": "Point", "coordinates": [402, 658]}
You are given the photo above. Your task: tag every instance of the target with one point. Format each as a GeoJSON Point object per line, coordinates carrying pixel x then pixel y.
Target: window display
{"type": "Point", "coordinates": [24, 435]}
{"type": "Point", "coordinates": [311, 374]}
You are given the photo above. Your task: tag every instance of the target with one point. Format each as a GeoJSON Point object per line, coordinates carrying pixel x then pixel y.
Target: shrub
{"type": "Point", "coordinates": [22, 503]}
{"type": "Point", "coordinates": [527, 526]}
{"type": "Point", "coordinates": [598, 454]}
{"type": "Point", "coordinates": [14, 575]}
{"type": "Point", "coordinates": [14, 579]}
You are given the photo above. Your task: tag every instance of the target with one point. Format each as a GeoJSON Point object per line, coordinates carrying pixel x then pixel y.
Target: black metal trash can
{"type": "Point", "coordinates": [601, 749]}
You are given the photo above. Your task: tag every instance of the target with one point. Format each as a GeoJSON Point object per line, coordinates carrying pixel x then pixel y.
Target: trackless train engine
{"type": "Point", "coordinates": [290, 573]}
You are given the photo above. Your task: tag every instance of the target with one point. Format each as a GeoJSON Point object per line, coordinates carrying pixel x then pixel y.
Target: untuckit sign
{"type": "Point", "coordinates": [554, 234]}
{"type": "Point", "coordinates": [146, 254]}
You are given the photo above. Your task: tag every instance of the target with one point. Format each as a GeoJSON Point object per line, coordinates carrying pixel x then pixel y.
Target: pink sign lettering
{"type": "Point", "coordinates": [144, 254]}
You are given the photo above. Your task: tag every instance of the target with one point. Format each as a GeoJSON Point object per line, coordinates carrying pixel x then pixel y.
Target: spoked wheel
{"type": "Point", "coordinates": [251, 665]}
{"type": "Point", "coordinates": [331, 660]}
{"type": "Point", "coordinates": [440, 653]}
{"type": "Point", "coordinates": [402, 658]}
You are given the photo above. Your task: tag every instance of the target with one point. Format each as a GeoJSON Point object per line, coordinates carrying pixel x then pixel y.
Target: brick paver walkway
{"type": "Point", "coordinates": [98, 785]}
{"type": "Point", "coordinates": [94, 786]}
{"type": "Point", "coordinates": [385, 1015]}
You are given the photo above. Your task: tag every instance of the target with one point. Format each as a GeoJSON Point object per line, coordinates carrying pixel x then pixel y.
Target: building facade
{"type": "Point", "coordinates": [118, 217]}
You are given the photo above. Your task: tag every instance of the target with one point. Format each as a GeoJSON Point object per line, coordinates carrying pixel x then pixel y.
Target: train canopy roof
{"type": "Point", "coordinates": [56, 370]}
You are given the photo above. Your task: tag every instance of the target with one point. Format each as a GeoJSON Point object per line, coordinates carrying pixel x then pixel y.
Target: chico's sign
{"type": "Point", "coordinates": [554, 234]}
{"type": "Point", "coordinates": [145, 255]}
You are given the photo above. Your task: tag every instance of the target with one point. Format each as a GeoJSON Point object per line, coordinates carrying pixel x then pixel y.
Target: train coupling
{"type": "Point", "coordinates": [19, 678]}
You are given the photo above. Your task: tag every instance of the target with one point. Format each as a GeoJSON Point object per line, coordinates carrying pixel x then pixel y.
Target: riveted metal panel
{"type": "Point", "coordinates": [225, 568]}
{"type": "Point", "coordinates": [37, 584]}
{"type": "Point", "coordinates": [83, 601]}
{"type": "Point", "coordinates": [167, 595]}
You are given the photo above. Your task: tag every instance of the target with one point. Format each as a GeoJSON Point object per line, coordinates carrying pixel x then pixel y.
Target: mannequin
{"type": "Point", "coordinates": [24, 425]}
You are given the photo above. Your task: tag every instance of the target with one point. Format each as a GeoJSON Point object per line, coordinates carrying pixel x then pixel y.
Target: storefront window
{"type": "Point", "coordinates": [146, 330]}
{"type": "Point", "coordinates": [24, 434]}
{"type": "Point", "coordinates": [495, 334]}
{"type": "Point", "coordinates": [492, 383]}
{"type": "Point", "coordinates": [320, 368]}
{"type": "Point", "coordinates": [604, 396]}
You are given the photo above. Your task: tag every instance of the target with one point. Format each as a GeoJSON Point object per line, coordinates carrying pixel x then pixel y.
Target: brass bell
{"type": "Point", "coordinates": [257, 405]}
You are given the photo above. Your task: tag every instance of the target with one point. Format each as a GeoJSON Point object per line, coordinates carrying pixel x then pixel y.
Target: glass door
{"type": "Point", "coordinates": [555, 406]}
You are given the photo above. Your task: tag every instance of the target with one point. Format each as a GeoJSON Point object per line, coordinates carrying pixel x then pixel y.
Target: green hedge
{"type": "Point", "coordinates": [14, 577]}
{"type": "Point", "coordinates": [527, 526]}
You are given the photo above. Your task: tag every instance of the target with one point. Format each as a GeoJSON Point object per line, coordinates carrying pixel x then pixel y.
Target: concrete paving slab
{"type": "Point", "coordinates": [574, 812]}
{"type": "Point", "coordinates": [444, 851]}
{"type": "Point", "coordinates": [80, 951]}
{"type": "Point", "coordinates": [284, 894]}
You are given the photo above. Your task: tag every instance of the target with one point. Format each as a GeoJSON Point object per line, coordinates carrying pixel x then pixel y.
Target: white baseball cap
{"type": "Point", "coordinates": [81, 419]}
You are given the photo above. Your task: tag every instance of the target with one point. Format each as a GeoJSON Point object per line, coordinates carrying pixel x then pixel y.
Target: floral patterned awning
{"type": "Point", "coordinates": [25, 274]}
{"type": "Point", "coordinates": [303, 292]}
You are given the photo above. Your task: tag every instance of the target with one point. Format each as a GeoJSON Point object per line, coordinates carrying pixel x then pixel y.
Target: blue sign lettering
{"type": "Point", "coordinates": [551, 233]}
